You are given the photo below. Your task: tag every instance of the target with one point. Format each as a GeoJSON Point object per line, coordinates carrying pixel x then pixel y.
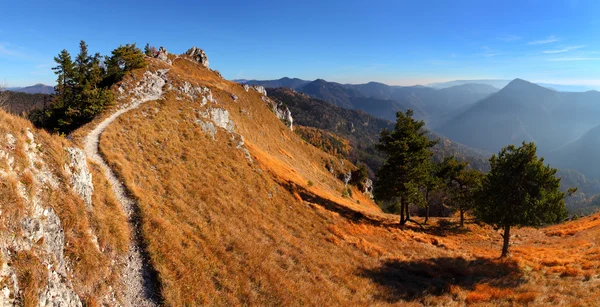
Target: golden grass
{"type": "Point", "coordinates": [31, 276]}
{"type": "Point", "coordinates": [93, 270]}
{"type": "Point", "coordinates": [224, 231]}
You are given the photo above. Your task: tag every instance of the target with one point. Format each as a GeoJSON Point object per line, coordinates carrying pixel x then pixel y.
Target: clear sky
{"type": "Point", "coordinates": [395, 42]}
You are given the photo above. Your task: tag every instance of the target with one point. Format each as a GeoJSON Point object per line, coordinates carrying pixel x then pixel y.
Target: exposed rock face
{"type": "Point", "coordinates": [208, 128]}
{"type": "Point", "coordinates": [368, 187]}
{"type": "Point", "coordinates": [284, 114]}
{"type": "Point", "coordinates": [81, 178]}
{"type": "Point", "coordinates": [346, 178]}
{"type": "Point", "coordinates": [163, 55]}
{"type": "Point", "coordinates": [281, 111]}
{"type": "Point", "coordinates": [40, 232]}
{"type": "Point", "coordinates": [198, 55]}
{"type": "Point", "coordinates": [221, 118]}
{"type": "Point", "coordinates": [260, 89]}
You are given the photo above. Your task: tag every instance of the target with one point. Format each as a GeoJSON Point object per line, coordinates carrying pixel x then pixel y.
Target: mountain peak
{"type": "Point", "coordinates": [524, 85]}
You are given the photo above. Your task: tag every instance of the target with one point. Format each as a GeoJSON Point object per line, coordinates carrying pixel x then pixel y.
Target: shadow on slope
{"type": "Point", "coordinates": [413, 280]}
{"type": "Point", "coordinates": [445, 227]}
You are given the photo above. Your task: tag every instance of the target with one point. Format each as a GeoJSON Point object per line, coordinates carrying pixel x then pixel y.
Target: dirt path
{"type": "Point", "coordinates": [141, 286]}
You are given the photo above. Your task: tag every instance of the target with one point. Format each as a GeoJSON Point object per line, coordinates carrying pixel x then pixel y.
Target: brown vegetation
{"type": "Point", "coordinates": [93, 270]}
{"type": "Point", "coordinates": [222, 230]}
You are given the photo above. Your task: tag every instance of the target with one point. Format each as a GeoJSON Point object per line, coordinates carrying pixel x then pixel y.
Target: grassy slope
{"type": "Point", "coordinates": [94, 270]}
{"type": "Point", "coordinates": [222, 230]}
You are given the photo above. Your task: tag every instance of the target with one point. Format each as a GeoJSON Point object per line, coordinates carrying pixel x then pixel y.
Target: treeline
{"type": "Point", "coordinates": [519, 189]}
{"type": "Point", "coordinates": [22, 103]}
{"type": "Point", "coordinates": [83, 86]}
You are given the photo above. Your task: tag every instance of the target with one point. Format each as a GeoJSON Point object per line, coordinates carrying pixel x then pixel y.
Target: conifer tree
{"type": "Point", "coordinates": [65, 80]}
{"type": "Point", "coordinates": [402, 178]}
{"type": "Point", "coordinates": [462, 185]}
{"type": "Point", "coordinates": [519, 191]}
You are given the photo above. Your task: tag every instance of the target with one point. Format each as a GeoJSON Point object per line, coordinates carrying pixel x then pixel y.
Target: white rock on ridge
{"type": "Point", "coordinates": [81, 178]}
{"type": "Point", "coordinates": [163, 55]}
{"type": "Point", "coordinates": [246, 87]}
{"type": "Point", "coordinates": [260, 89]}
{"type": "Point", "coordinates": [281, 111]}
{"type": "Point", "coordinates": [198, 55]}
{"type": "Point", "coordinates": [284, 114]}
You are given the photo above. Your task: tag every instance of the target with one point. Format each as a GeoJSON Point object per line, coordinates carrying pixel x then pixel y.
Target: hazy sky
{"type": "Point", "coordinates": [395, 42]}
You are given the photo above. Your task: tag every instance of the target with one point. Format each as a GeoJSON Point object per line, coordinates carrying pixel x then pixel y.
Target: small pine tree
{"type": "Point", "coordinates": [123, 59]}
{"type": "Point", "coordinates": [404, 174]}
{"type": "Point", "coordinates": [520, 190]}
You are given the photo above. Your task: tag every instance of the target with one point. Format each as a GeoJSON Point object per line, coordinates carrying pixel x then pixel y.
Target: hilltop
{"type": "Point", "coordinates": [194, 190]}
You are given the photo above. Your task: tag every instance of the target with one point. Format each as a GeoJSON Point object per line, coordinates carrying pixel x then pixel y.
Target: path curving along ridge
{"type": "Point", "coordinates": [141, 285]}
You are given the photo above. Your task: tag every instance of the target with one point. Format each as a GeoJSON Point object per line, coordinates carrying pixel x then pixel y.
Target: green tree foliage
{"type": "Point", "coordinates": [149, 50]}
{"type": "Point", "coordinates": [520, 191]}
{"type": "Point", "coordinates": [83, 86]}
{"type": "Point", "coordinates": [123, 59]}
{"type": "Point", "coordinates": [461, 184]}
{"type": "Point", "coordinates": [403, 176]}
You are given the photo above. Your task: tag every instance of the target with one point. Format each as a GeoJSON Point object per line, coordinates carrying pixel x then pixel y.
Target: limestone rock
{"type": "Point", "coordinates": [81, 178]}
{"type": "Point", "coordinates": [198, 55]}
{"type": "Point", "coordinates": [208, 128]}
{"type": "Point", "coordinates": [260, 89]}
{"type": "Point", "coordinates": [368, 187]}
{"type": "Point", "coordinates": [163, 55]}
{"type": "Point", "coordinates": [281, 111]}
{"type": "Point", "coordinates": [346, 178]}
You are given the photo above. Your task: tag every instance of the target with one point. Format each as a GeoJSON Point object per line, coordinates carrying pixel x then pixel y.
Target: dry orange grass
{"type": "Point", "coordinates": [94, 271]}
{"type": "Point", "coordinates": [225, 231]}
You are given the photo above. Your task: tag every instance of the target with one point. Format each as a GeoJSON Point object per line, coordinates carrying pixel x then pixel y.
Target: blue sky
{"type": "Point", "coordinates": [395, 42]}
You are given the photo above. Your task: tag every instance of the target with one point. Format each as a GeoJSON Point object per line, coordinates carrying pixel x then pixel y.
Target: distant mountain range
{"type": "Point", "coordinates": [479, 115]}
{"type": "Point", "coordinates": [34, 89]}
{"type": "Point", "coordinates": [523, 111]}
{"type": "Point", "coordinates": [502, 83]}
{"type": "Point", "coordinates": [362, 129]}
{"type": "Point", "coordinates": [381, 100]}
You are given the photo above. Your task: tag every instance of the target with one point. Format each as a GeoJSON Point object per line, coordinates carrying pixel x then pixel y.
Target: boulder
{"type": "Point", "coordinates": [163, 55]}
{"type": "Point", "coordinates": [198, 55]}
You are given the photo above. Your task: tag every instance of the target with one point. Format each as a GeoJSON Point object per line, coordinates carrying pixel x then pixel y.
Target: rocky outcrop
{"type": "Point", "coordinates": [198, 55]}
{"type": "Point", "coordinates": [39, 232]}
{"type": "Point", "coordinates": [346, 177]}
{"type": "Point", "coordinates": [81, 178]}
{"type": "Point", "coordinates": [259, 88]}
{"type": "Point", "coordinates": [283, 113]}
{"type": "Point", "coordinates": [368, 188]}
{"type": "Point", "coordinates": [163, 55]}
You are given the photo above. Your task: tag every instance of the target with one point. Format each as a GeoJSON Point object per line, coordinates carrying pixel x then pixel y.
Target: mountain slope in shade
{"type": "Point", "coordinates": [582, 155]}
{"type": "Point", "coordinates": [384, 101]}
{"type": "Point", "coordinates": [362, 129]}
{"type": "Point", "coordinates": [523, 111]}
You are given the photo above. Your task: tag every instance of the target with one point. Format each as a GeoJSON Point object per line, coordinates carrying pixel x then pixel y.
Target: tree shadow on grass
{"type": "Point", "coordinates": [413, 280]}
{"type": "Point", "coordinates": [445, 227]}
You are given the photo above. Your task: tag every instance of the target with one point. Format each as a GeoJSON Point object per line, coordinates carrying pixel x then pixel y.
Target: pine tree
{"type": "Point", "coordinates": [123, 59]}
{"type": "Point", "coordinates": [519, 191]}
{"type": "Point", "coordinates": [65, 71]}
{"type": "Point", "coordinates": [402, 178]}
